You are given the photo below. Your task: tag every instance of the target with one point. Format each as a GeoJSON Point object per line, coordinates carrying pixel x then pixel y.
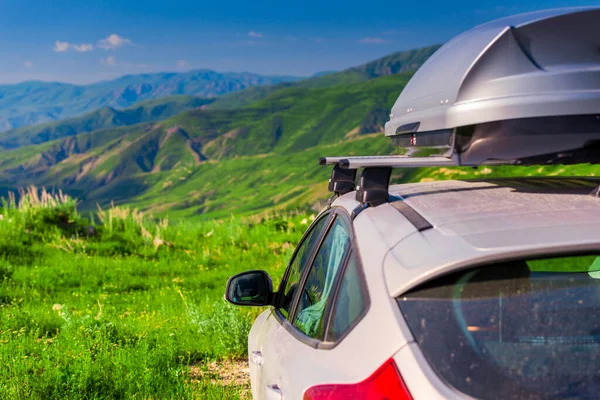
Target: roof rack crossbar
{"type": "Point", "coordinates": [388, 161]}
{"type": "Point", "coordinates": [336, 160]}
{"type": "Point", "coordinates": [396, 162]}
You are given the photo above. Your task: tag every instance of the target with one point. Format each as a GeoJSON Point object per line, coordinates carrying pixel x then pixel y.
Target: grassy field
{"type": "Point", "coordinates": [127, 307]}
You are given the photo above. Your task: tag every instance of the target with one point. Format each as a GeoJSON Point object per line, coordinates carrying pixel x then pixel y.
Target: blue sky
{"type": "Point", "coordinates": [83, 41]}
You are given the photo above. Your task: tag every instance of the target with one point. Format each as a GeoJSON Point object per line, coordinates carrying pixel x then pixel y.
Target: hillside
{"type": "Point", "coordinates": [140, 162]}
{"type": "Point", "coordinates": [106, 117]}
{"type": "Point", "coordinates": [30, 103]}
{"type": "Point", "coordinates": [208, 162]}
{"type": "Point", "coordinates": [396, 63]}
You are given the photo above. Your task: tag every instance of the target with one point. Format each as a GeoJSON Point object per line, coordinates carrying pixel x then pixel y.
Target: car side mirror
{"type": "Point", "coordinates": [250, 288]}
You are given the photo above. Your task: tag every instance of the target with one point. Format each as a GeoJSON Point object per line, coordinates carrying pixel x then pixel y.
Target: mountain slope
{"type": "Point", "coordinates": [216, 161]}
{"type": "Point", "coordinates": [294, 119]}
{"type": "Point", "coordinates": [399, 62]}
{"type": "Point", "coordinates": [107, 117]}
{"type": "Point", "coordinates": [38, 102]}
{"type": "Point", "coordinates": [124, 163]}
{"type": "Point", "coordinates": [212, 163]}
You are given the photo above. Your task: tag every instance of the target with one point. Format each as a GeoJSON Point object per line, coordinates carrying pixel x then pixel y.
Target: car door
{"type": "Point", "coordinates": [262, 342]}
{"type": "Point", "coordinates": [295, 346]}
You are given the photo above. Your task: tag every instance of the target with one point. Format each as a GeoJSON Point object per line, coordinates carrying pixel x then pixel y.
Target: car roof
{"type": "Point", "coordinates": [475, 222]}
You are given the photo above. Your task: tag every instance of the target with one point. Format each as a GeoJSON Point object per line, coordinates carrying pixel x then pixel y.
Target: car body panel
{"type": "Point", "coordinates": [553, 216]}
{"type": "Point", "coordinates": [395, 257]}
{"type": "Point", "coordinates": [255, 338]}
{"type": "Point", "coordinates": [294, 366]}
{"type": "Point", "coordinates": [420, 379]}
{"type": "Point", "coordinates": [260, 342]}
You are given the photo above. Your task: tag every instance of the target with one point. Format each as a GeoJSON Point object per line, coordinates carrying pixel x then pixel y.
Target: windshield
{"type": "Point", "coordinates": [526, 329]}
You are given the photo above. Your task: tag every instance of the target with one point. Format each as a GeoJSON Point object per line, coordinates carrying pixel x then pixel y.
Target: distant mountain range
{"type": "Point", "coordinates": [188, 156]}
{"type": "Point", "coordinates": [36, 102]}
{"type": "Point", "coordinates": [105, 117]}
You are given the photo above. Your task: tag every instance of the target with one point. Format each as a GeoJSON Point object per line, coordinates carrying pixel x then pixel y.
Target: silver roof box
{"type": "Point", "coordinates": [522, 89]}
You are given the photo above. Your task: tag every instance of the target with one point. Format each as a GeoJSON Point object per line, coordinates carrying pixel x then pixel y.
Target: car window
{"type": "Point", "coordinates": [351, 301]}
{"type": "Point", "coordinates": [299, 262]}
{"type": "Point", "coordinates": [523, 329]}
{"type": "Point", "coordinates": [309, 316]}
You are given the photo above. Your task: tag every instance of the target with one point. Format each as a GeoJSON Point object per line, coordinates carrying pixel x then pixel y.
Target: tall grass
{"type": "Point", "coordinates": [122, 307]}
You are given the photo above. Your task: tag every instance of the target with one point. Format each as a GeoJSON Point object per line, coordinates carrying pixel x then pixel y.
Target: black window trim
{"type": "Point", "coordinates": [305, 274]}
{"type": "Point", "coordinates": [532, 254]}
{"type": "Point", "coordinates": [363, 291]}
{"type": "Point", "coordinates": [328, 217]}
{"type": "Point", "coordinates": [333, 214]}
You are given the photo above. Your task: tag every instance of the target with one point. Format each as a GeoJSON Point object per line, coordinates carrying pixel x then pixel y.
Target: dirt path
{"type": "Point", "coordinates": [225, 373]}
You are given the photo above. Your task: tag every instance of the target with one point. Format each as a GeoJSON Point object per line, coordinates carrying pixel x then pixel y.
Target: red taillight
{"type": "Point", "coordinates": [384, 384]}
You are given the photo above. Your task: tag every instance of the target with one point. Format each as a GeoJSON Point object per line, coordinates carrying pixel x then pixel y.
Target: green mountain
{"type": "Point", "coordinates": [210, 161]}
{"type": "Point", "coordinates": [148, 160]}
{"type": "Point", "coordinates": [30, 103]}
{"type": "Point", "coordinates": [399, 62]}
{"type": "Point", "coordinates": [106, 117]}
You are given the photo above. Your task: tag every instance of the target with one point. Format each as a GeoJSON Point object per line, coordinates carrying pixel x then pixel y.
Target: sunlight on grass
{"type": "Point", "coordinates": [128, 306]}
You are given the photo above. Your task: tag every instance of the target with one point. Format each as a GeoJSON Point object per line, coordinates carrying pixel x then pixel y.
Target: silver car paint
{"type": "Point", "coordinates": [554, 70]}
{"type": "Point", "coordinates": [396, 257]}
{"type": "Point", "coordinates": [378, 336]}
{"type": "Point", "coordinates": [264, 364]}
{"type": "Point", "coordinates": [421, 381]}
{"type": "Point", "coordinates": [484, 225]}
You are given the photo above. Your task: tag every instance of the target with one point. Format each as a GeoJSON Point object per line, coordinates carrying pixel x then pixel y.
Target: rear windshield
{"type": "Point", "coordinates": [526, 329]}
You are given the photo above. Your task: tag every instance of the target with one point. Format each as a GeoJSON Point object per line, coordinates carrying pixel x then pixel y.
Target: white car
{"type": "Point", "coordinates": [497, 300]}
{"type": "Point", "coordinates": [485, 289]}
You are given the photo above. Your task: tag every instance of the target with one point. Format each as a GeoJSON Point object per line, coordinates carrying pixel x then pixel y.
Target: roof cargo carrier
{"type": "Point", "coordinates": [521, 90]}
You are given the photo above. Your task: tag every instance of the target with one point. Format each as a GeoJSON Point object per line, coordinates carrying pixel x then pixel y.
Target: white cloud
{"type": "Point", "coordinates": [61, 47]}
{"type": "Point", "coordinates": [373, 40]}
{"type": "Point", "coordinates": [82, 48]}
{"type": "Point", "coordinates": [254, 34]}
{"type": "Point", "coordinates": [183, 64]}
{"type": "Point", "coordinates": [110, 60]}
{"type": "Point", "coordinates": [28, 64]}
{"type": "Point", "coordinates": [113, 42]}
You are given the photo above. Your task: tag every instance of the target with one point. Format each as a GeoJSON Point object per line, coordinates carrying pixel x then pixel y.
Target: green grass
{"type": "Point", "coordinates": [129, 308]}
{"type": "Point", "coordinates": [250, 185]}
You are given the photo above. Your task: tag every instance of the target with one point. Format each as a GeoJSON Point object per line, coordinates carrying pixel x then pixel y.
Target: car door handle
{"type": "Point", "coordinates": [256, 357]}
{"type": "Point", "coordinates": [273, 393]}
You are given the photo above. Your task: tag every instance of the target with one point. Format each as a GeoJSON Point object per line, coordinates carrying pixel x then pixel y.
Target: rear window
{"type": "Point", "coordinates": [526, 329]}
